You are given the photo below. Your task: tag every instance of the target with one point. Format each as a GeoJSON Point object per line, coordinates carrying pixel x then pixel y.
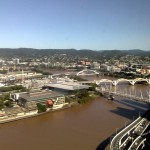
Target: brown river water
{"type": "Point", "coordinates": [82, 127]}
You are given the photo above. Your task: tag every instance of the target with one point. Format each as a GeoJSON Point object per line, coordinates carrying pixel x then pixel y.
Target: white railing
{"type": "Point", "coordinates": [117, 135]}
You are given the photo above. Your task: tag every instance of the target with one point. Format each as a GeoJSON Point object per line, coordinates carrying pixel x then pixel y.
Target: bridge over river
{"type": "Point", "coordinates": [133, 136]}
{"type": "Point", "coordinates": [124, 93]}
{"type": "Point", "coordinates": [117, 81]}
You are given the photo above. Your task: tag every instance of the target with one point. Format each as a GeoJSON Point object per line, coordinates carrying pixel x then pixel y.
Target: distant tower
{"type": "Point", "coordinates": [16, 61]}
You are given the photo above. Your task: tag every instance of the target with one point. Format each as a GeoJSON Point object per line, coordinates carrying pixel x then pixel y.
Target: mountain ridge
{"type": "Point", "coordinates": [31, 52]}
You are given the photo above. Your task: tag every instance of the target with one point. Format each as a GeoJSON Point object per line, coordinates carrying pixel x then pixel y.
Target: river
{"type": "Point", "coordinates": [82, 127]}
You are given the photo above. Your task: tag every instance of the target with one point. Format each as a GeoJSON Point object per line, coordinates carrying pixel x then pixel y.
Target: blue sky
{"type": "Point", "coordinates": [79, 24]}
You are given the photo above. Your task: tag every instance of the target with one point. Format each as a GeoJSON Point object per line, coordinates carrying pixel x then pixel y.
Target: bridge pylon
{"type": "Point", "coordinates": [132, 82]}
{"type": "Point", "coordinates": [114, 83]}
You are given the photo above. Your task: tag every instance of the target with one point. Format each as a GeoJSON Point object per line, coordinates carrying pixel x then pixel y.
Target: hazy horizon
{"type": "Point", "coordinates": [72, 49]}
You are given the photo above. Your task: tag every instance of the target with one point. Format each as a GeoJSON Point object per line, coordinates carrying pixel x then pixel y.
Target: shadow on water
{"type": "Point", "coordinates": [133, 104]}
{"type": "Point", "coordinates": [134, 108]}
{"type": "Point", "coordinates": [125, 112]}
{"type": "Point", "coordinates": [128, 113]}
{"type": "Point", "coordinates": [122, 112]}
{"type": "Point", "coordinates": [104, 144]}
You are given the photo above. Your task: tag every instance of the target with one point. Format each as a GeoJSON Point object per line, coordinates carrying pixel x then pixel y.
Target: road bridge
{"type": "Point", "coordinates": [133, 136]}
{"type": "Point", "coordinates": [124, 93]}
{"type": "Point", "coordinates": [87, 72]}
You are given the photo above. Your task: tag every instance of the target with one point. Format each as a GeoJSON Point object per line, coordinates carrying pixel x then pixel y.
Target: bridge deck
{"type": "Point", "coordinates": [125, 95]}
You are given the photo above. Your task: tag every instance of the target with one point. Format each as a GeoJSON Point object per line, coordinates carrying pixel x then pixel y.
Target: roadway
{"type": "Point", "coordinates": [116, 141]}
{"type": "Point", "coordinates": [131, 137]}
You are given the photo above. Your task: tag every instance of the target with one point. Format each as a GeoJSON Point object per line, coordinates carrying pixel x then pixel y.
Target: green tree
{"type": "Point", "coordinates": [77, 78]}
{"type": "Point", "coordinates": [41, 108]}
{"type": "Point", "coordinates": [8, 104]}
{"type": "Point", "coordinates": [92, 86]}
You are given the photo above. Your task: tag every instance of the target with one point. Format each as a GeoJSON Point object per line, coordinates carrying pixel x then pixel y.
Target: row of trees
{"type": "Point", "coordinates": [13, 88]}
{"type": "Point", "coordinates": [77, 78]}
{"type": "Point", "coordinates": [42, 72]}
{"type": "Point", "coordinates": [83, 96]}
{"type": "Point", "coordinates": [3, 71]}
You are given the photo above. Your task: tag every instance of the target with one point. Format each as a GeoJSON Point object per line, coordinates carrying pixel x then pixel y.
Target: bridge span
{"type": "Point", "coordinates": [125, 94]}
{"type": "Point", "coordinates": [121, 80]}
{"type": "Point", "coordinates": [132, 137]}
{"type": "Point", "coordinates": [130, 81]}
{"type": "Point", "coordinates": [87, 72]}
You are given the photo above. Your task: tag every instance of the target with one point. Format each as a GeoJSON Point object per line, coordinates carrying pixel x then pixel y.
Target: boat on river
{"type": "Point", "coordinates": [111, 97]}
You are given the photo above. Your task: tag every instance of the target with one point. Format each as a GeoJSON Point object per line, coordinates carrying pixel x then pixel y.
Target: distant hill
{"type": "Point", "coordinates": [29, 52]}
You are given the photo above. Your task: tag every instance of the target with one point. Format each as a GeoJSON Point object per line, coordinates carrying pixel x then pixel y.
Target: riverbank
{"type": "Point", "coordinates": [81, 97]}
{"type": "Point", "coordinates": [33, 114]}
{"type": "Point", "coordinates": [80, 127]}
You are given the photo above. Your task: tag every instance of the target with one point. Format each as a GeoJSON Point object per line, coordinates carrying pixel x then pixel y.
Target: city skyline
{"type": "Point", "coordinates": [80, 24]}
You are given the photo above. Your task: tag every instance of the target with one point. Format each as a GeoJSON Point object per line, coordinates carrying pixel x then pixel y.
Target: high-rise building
{"type": "Point", "coordinates": [16, 61]}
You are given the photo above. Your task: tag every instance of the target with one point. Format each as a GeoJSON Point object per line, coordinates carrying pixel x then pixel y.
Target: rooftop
{"type": "Point", "coordinates": [71, 86]}
{"type": "Point", "coordinates": [40, 95]}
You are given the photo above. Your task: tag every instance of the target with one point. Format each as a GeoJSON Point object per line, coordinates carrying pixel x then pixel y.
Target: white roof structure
{"type": "Point", "coordinates": [71, 86]}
